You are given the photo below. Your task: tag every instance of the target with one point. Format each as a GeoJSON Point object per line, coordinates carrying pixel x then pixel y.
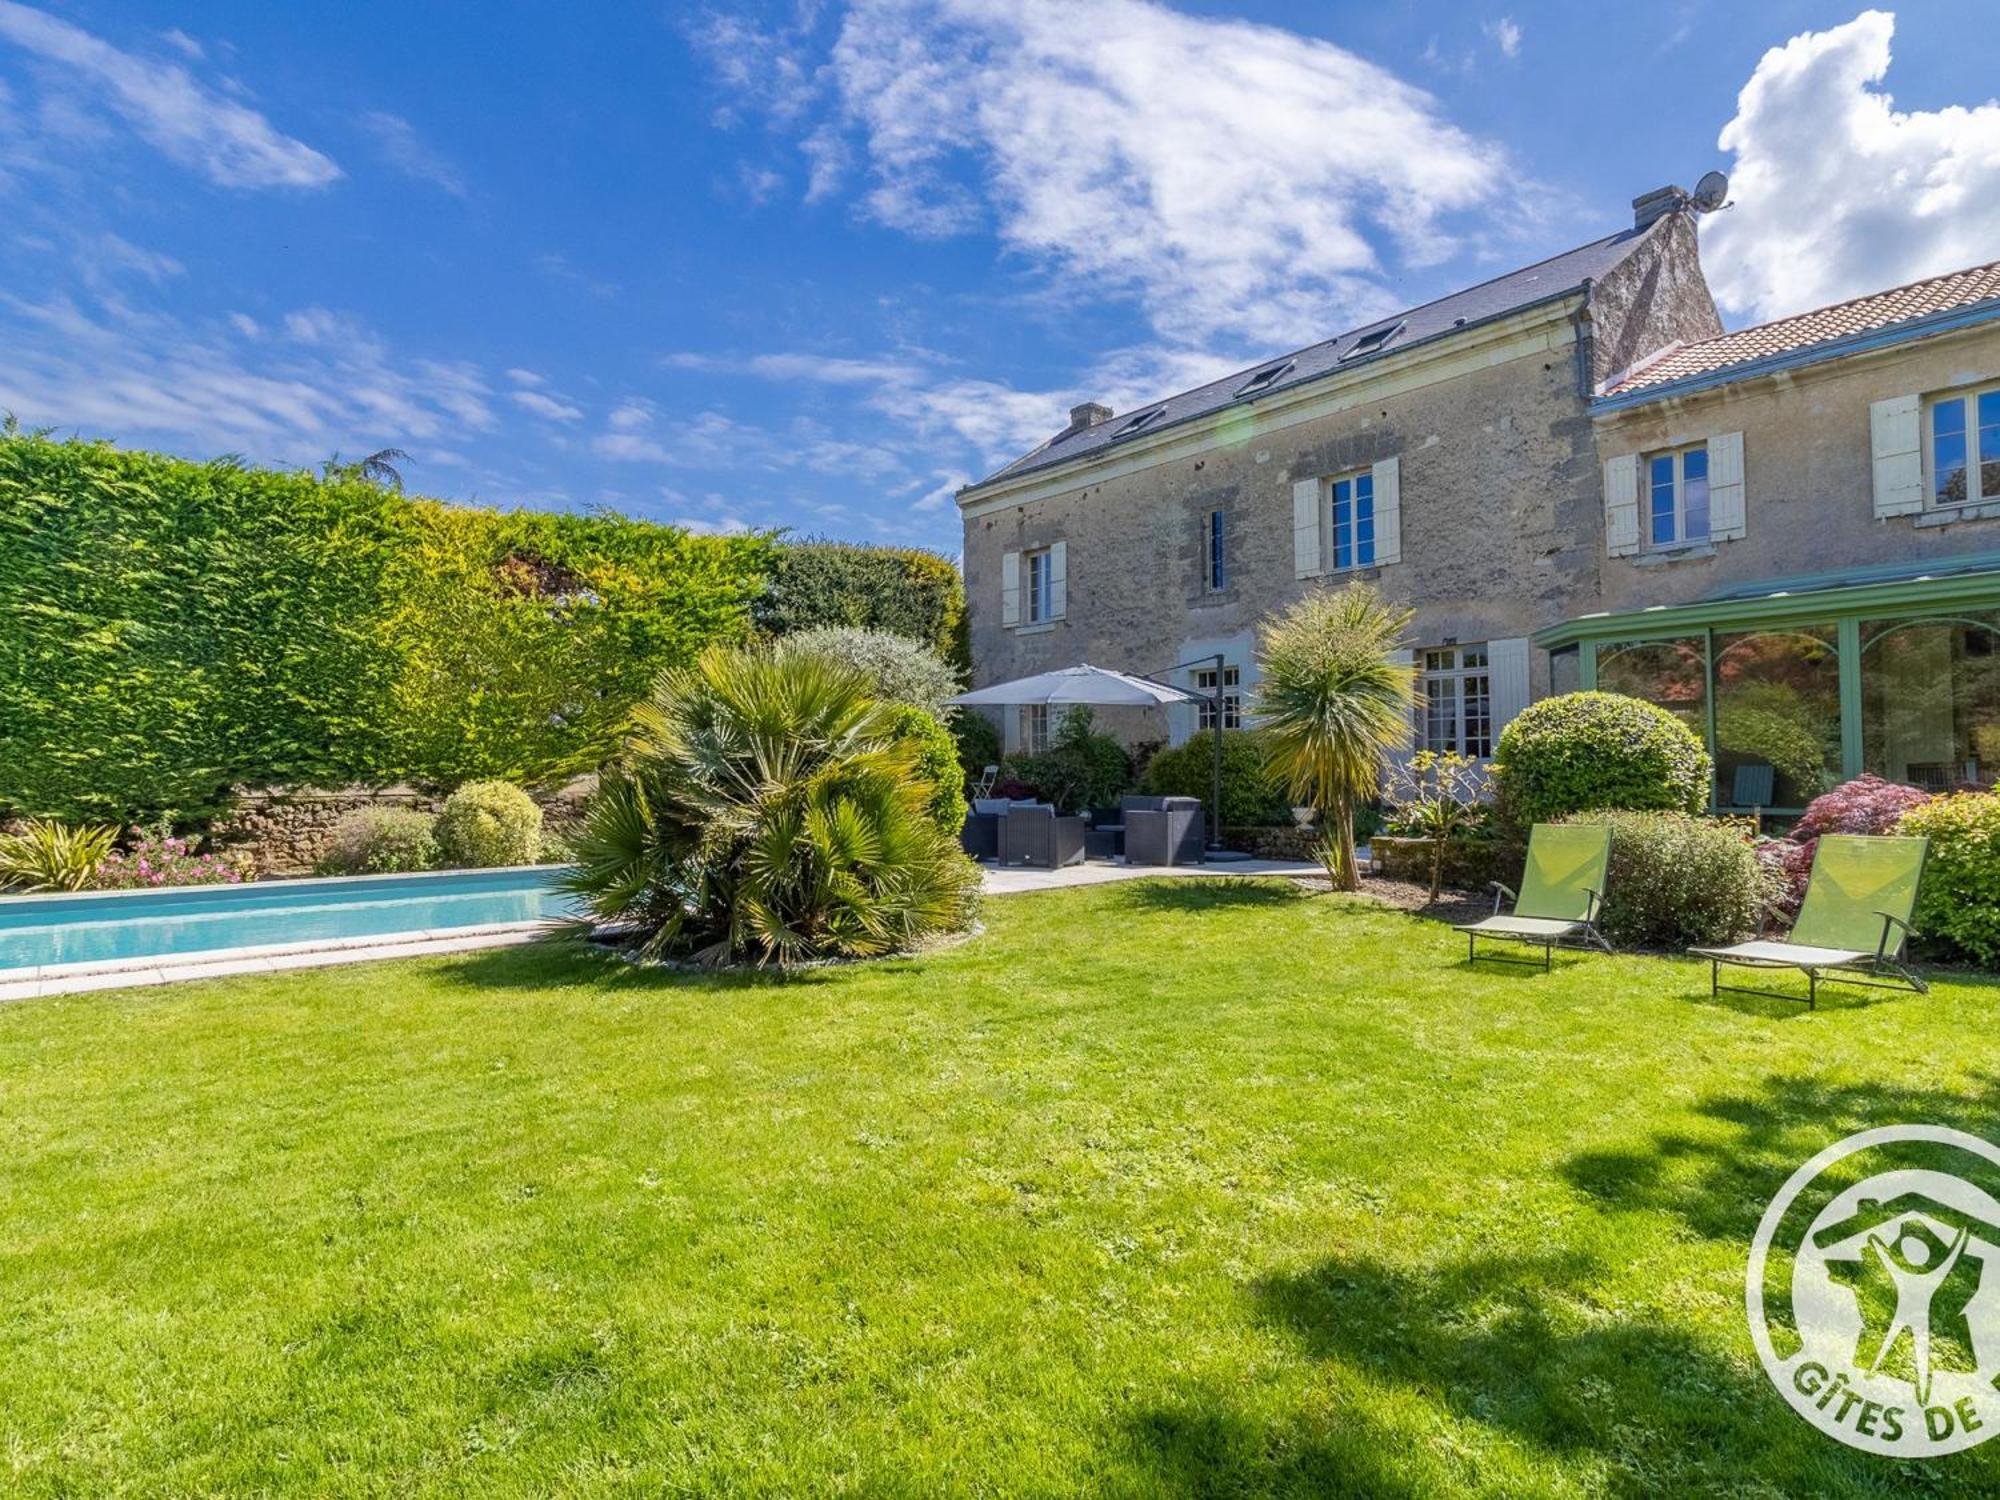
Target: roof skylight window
{"type": "Point", "coordinates": [1265, 378]}
{"type": "Point", "coordinates": [1144, 419]}
{"type": "Point", "coordinates": [1373, 340]}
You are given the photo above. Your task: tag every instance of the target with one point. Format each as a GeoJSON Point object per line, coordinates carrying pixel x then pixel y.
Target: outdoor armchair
{"type": "Point", "coordinates": [1162, 830]}
{"type": "Point", "coordinates": [980, 836]}
{"type": "Point", "coordinates": [1561, 892]}
{"type": "Point", "coordinates": [1853, 926]}
{"type": "Point", "coordinates": [1034, 835]}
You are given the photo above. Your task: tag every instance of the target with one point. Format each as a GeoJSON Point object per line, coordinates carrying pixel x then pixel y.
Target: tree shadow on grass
{"type": "Point", "coordinates": [1200, 893]}
{"type": "Point", "coordinates": [1718, 1183]}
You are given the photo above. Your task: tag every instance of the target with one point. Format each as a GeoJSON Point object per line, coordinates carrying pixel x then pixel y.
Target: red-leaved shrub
{"type": "Point", "coordinates": [1867, 804]}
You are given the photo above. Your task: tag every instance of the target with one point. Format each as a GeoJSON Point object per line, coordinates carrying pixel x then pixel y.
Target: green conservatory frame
{"type": "Point", "coordinates": [1942, 592]}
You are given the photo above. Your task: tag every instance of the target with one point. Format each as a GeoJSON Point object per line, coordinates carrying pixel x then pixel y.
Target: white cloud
{"type": "Point", "coordinates": [152, 379]}
{"type": "Point", "coordinates": [552, 407]}
{"type": "Point", "coordinates": [950, 482]}
{"type": "Point", "coordinates": [814, 368]}
{"type": "Point", "coordinates": [629, 447]}
{"type": "Point", "coordinates": [526, 377]}
{"type": "Point", "coordinates": [1243, 182]}
{"type": "Point", "coordinates": [1505, 33]}
{"type": "Point", "coordinates": [631, 415]}
{"type": "Point", "coordinates": [403, 149]}
{"type": "Point", "coordinates": [189, 122]}
{"type": "Point", "coordinates": [1837, 192]}
{"type": "Point", "coordinates": [246, 325]}
{"type": "Point", "coordinates": [112, 254]}
{"type": "Point", "coordinates": [181, 42]}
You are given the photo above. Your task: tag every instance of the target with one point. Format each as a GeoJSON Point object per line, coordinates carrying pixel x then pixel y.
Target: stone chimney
{"type": "Point", "coordinates": [1649, 207]}
{"type": "Point", "coordinates": [1088, 415]}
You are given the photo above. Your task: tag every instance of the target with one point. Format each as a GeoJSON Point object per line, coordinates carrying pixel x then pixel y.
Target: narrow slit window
{"type": "Point", "coordinates": [1215, 552]}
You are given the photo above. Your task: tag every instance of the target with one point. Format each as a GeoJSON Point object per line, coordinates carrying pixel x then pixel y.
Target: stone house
{"type": "Point", "coordinates": [1574, 476]}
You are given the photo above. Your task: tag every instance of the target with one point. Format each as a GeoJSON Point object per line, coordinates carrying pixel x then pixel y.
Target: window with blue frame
{"type": "Point", "coordinates": [1353, 522]}
{"type": "Point", "coordinates": [1677, 497]}
{"type": "Point", "coordinates": [1956, 478]}
{"type": "Point", "coordinates": [1215, 553]}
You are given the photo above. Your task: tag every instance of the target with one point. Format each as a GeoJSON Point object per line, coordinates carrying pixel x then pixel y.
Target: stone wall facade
{"type": "Point", "coordinates": [1808, 473]}
{"type": "Point", "coordinates": [1499, 486]}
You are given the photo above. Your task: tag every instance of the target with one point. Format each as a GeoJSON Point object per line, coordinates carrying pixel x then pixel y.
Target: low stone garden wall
{"type": "Point", "coordinates": [1289, 842]}
{"type": "Point", "coordinates": [1468, 864]}
{"type": "Point", "coordinates": [285, 830]}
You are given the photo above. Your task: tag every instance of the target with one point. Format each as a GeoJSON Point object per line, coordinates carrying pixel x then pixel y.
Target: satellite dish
{"type": "Point", "coordinates": [1711, 192]}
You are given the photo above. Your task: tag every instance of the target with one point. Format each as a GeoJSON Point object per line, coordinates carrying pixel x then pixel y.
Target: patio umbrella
{"type": "Point", "coordinates": [1096, 687]}
{"type": "Point", "coordinates": [1099, 687]}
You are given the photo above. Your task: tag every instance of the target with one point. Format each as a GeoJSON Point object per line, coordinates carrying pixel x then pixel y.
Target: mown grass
{"type": "Point", "coordinates": [1152, 1189]}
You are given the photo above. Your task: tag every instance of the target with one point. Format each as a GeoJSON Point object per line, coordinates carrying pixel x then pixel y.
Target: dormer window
{"type": "Point", "coordinates": [1144, 419]}
{"type": "Point", "coordinates": [1265, 378]}
{"type": "Point", "coordinates": [1372, 340]}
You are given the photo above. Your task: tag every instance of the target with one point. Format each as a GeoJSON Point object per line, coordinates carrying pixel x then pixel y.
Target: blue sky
{"type": "Point", "coordinates": [814, 265]}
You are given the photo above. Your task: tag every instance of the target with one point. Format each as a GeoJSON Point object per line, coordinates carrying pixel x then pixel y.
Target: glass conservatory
{"type": "Point", "coordinates": [1797, 687]}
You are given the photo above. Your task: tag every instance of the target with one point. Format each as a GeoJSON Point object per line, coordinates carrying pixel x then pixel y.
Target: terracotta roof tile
{"type": "Point", "coordinates": [1803, 330]}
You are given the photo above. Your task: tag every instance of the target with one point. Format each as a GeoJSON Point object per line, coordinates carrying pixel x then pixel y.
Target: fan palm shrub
{"type": "Point", "coordinates": [1334, 703]}
{"type": "Point", "coordinates": [768, 809]}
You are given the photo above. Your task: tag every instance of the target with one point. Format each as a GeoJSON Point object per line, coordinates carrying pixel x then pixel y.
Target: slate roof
{"type": "Point", "coordinates": [1878, 310]}
{"type": "Point", "coordinates": [1540, 282]}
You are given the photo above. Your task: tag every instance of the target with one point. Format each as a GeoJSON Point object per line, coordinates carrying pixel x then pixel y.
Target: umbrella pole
{"type": "Point", "coordinates": [1215, 778]}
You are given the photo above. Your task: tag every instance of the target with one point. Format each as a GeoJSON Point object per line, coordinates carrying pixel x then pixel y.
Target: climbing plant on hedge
{"type": "Point", "coordinates": [169, 629]}
{"type": "Point", "coordinates": [1586, 751]}
{"type": "Point", "coordinates": [901, 589]}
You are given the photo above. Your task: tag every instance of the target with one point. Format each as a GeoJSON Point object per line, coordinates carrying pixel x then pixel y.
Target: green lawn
{"type": "Point", "coordinates": [1152, 1189]}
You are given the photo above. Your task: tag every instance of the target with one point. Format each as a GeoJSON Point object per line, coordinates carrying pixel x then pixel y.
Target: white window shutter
{"type": "Point", "coordinates": [1621, 505]}
{"type": "Point", "coordinates": [1726, 516]}
{"type": "Point", "coordinates": [1058, 579]}
{"type": "Point", "coordinates": [1010, 588]}
{"type": "Point", "coordinates": [1506, 680]}
{"type": "Point", "coordinates": [1389, 511]}
{"type": "Point", "coordinates": [1895, 429]}
{"type": "Point", "coordinates": [1305, 528]}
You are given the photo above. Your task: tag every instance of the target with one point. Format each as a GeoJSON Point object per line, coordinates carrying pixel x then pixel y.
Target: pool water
{"type": "Point", "coordinates": [109, 926]}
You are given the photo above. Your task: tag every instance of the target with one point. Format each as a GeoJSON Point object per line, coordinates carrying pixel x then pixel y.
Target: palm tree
{"type": "Point", "coordinates": [377, 468]}
{"type": "Point", "coordinates": [1334, 703]}
{"type": "Point", "coordinates": [768, 808]}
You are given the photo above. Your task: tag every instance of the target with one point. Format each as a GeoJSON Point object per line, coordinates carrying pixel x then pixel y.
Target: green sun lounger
{"type": "Point", "coordinates": [1853, 925]}
{"type": "Point", "coordinates": [1561, 891]}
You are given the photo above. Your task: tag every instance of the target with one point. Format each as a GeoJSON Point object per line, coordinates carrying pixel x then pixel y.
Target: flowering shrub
{"type": "Point", "coordinates": [1787, 865]}
{"type": "Point", "coordinates": [158, 858]}
{"type": "Point", "coordinates": [1867, 804]}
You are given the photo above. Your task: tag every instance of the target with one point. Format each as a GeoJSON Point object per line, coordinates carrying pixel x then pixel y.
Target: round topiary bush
{"type": "Point", "coordinates": [381, 841]}
{"type": "Point", "coordinates": [1586, 751]}
{"type": "Point", "coordinates": [1250, 798]}
{"type": "Point", "coordinates": [1959, 906]}
{"type": "Point", "coordinates": [1677, 880]}
{"type": "Point", "coordinates": [485, 824]}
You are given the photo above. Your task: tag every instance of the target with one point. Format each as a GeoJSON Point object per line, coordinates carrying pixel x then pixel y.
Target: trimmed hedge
{"type": "Point", "coordinates": [170, 629]}
{"type": "Point", "coordinates": [904, 590]}
{"type": "Point", "coordinates": [937, 764]}
{"type": "Point", "coordinates": [1250, 798]}
{"type": "Point", "coordinates": [1585, 751]}
{"type": "Point", "coordinates": [1959, 906]}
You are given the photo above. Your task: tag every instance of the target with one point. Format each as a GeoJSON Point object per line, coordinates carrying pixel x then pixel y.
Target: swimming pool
{"type": "Point", "coordinates": [115, 927]}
